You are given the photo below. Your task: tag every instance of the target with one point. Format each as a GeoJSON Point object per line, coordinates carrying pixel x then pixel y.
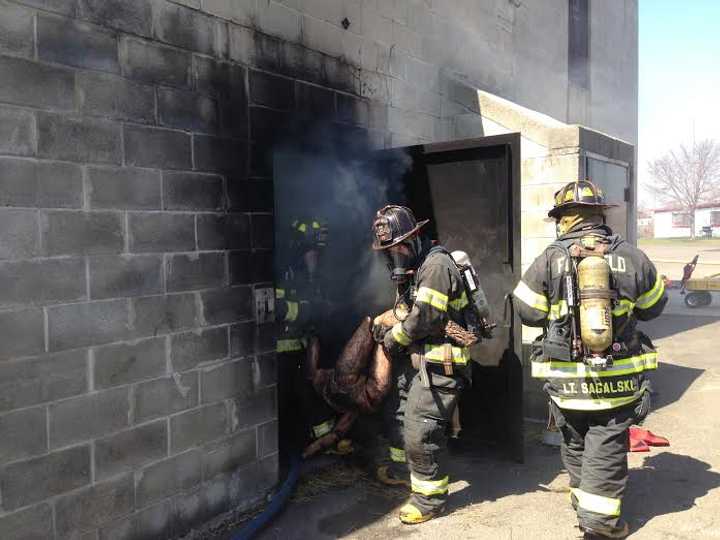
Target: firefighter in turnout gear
{"type": "Point", "coordinates": [429, 370]}
{"type": "Point", "coordinates": [298, 303]}
{"type": "Point", "coordinates": [587, 290]}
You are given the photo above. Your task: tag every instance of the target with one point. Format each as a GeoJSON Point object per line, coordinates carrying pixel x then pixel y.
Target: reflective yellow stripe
{"type": "Point", "coordinates": [279, 293]}
{"type": "Point", "coordinates": [574, 370]}
{"type": "Point", "coordinates": [604, 404]}
{"type": "Point", "coordinates": [436, 299]}
{"type": "Point", "coordinates": [293, 308]}
{"type": "Point", "coordinates": [397, 455]}
{"type": "Point", "coordinates": [436, 353]}
{"type": "Point", "coordinates": [400, 336]}
{"type": "Point", "coordinates": [530, 297]}
{"type": "Point", "coordinates": [323, 429]}
{"type": "Point", "coordinates": [459, 303]}
{"type": "Point", "coordinates": [302, 227]}
{"type": "Point", "coordinates": [289, 345]}
{"type": "Point", "coordinates": [651, 360]}
{"type": "Point", "coordinates": [606, 506]}
{"type": "Point", "coordinates": [429, 487]}
{"type": "Point", "coordinates": [558, 310]}
{"type": "Point", "coordinates": [315, 225]}
{"type": "Point", "coordinates": [623, 307]}
{"type": "Point", "coordinates": [650, 298]}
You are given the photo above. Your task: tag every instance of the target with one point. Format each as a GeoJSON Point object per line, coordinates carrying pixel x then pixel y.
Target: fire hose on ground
{"type": "Point", "coordinates": [277, 503]}
{"type": "Point", "coordinates": [357, 385]}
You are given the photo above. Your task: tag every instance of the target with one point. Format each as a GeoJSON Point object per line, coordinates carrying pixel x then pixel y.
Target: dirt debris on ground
{"type": "Point", "coordinates": [673, 493]}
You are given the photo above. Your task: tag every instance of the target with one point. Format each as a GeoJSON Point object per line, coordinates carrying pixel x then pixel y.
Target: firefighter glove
{"type": "Point", "coordinates": [391, 345]}
{"type": "Point", "coordinates": [379, 330]}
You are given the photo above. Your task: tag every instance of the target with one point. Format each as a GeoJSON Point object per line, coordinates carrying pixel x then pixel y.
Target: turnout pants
{"type": "Point", "coordinates": [393, 416]}
{"type": "Point", "coordinates": [594, 452]}
{"type": "Point", "coordinates": [423, 415]}
{"type": "Point", "coordinates": [303, 414]}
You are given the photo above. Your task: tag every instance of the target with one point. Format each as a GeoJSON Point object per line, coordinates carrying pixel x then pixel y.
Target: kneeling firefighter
{"type": "Point", "coordinates": [429, 370]}
{"type": "Point", "coordinates": [299, 302]}
{"type": "Point", "coordinates": [587, 290]}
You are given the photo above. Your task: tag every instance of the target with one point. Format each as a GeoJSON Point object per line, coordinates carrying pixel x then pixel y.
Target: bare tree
{"type": "Point", "coordinates": [688, 176]}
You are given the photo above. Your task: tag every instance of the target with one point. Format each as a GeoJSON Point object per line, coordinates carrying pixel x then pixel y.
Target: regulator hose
{"type": "Point", "coordinates": [276, 504]}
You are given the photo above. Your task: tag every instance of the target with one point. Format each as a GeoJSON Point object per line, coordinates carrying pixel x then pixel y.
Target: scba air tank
{"type": "Point", "coordinates": [595, 303]}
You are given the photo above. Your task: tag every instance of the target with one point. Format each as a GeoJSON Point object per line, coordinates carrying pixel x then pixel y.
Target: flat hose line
{"type": "Point", "coordinates": [277, 503]}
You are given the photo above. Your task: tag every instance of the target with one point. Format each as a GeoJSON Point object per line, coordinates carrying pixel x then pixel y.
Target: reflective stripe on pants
{"type": "Point", "coordinates": [608, 506]}
{"type": "Point", "coordinates": [429, 487]}
{"type": "Point", "coordinates": [393, 415]}
{"type": "Point", "coordinates": [323, 428]}
{"type": "Point", "coordinates": [428, 415]}
{"type": "Point", "coordinates": [594, 452]}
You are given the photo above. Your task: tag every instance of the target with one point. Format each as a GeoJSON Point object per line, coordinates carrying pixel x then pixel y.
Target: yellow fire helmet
{"type": "Point", "coordinates": [581, 193]}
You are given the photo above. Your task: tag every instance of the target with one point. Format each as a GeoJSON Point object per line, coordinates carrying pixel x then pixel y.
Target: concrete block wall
{"type": "Point", "coordinates": [137, 398]}
{"type": "Point", "coordinates": [137, 391]}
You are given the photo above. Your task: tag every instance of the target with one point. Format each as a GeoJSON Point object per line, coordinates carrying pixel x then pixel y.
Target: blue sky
{"type": "Point", "coordinates": [679, 75]}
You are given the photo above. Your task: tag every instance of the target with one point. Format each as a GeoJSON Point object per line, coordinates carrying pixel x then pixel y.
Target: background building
{"type": "Point", "coordinates": [137, 393]}
{"type": "Point", "coordinates": [674, 222]}
{"type": "Point", "coordinates": [645, 223]}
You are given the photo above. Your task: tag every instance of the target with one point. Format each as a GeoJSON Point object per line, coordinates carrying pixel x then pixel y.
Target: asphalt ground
{"type": "Point", "coordinates": [673, 493]}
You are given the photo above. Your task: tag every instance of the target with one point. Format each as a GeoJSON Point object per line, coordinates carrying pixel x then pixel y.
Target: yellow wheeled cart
{"type": "Point", "coordinates": [699, 290]}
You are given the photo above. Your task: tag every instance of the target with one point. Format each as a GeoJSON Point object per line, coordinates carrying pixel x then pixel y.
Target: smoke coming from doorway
{"type": "Point", "coordinates": [328, 173]}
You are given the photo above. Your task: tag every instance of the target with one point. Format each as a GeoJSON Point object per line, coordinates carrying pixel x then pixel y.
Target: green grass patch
{"type": "Point", "coordinates": [699, 242]}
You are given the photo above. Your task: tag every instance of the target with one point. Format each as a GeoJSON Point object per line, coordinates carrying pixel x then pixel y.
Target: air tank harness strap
{"type": "Point", "coordinates": [576, 250]}
{"type": "Point", "coordinates": [448, 359]}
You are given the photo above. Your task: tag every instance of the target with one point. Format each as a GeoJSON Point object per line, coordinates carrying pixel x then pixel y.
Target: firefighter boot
{"type": "Point", "coordinates": [620, 532]}
{"type": "Point", "coordinates": [387, 476]}
{"type": "Point", "coordinates": [411, 515]}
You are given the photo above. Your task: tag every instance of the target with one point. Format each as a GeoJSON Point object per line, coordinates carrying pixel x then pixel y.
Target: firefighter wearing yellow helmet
{"type": "Point", "coordinates": [299, 303]}
{"type": "Point", "coordinates": [587, 290]}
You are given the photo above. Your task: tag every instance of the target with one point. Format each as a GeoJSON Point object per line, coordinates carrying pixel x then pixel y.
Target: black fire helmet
{"type": "Point", "coordinates": [581, 193]}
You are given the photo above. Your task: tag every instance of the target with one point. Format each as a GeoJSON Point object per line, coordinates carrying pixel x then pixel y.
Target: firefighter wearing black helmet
{"type": "Point", "coordinates": [587, 290]}
{"type": "Point", "coordinates": [429, 371]}
{"type": "Point", "coordinates": [299, 303]}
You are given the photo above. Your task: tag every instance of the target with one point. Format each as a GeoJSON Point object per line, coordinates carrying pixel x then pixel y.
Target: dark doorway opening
{"type": "Point", "coordinates": [470, 190]}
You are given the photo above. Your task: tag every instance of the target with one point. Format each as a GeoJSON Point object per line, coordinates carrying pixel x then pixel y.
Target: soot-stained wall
{"type": "Point", "coordinates": [137, 391]}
